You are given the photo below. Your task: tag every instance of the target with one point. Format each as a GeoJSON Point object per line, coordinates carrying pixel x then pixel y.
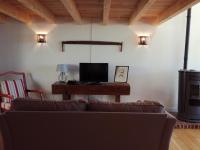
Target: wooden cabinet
{"type": "Point", "coordinates": [189, 96]}
{"type": "Point", "coordinates": [115, 89]}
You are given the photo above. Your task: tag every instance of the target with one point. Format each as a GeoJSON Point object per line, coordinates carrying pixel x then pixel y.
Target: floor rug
{"type": "Point", "coordinates": [185, 125]}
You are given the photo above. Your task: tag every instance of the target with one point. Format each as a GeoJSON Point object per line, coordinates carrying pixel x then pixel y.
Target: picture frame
{"type": "Point", "coordinates": [121, 74]}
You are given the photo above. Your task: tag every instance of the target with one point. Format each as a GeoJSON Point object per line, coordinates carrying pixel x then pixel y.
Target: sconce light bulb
{"type": "Point", "coordinates": [41, 38]}
{"type": "Point", "coordinates": [142, 40]}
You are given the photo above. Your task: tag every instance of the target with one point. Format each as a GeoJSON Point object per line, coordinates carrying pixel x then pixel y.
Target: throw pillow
{"type": "Point", "coordinates": [47, 105]}
{"type": "Point", "coordinates": [146, 106]}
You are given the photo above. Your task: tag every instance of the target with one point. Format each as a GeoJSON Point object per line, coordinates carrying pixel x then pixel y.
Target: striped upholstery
{"type": "Point", "coordinates": [14, 88]}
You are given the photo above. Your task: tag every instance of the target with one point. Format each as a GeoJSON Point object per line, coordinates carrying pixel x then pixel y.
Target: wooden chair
{"type": "Point", "coordinates": [14, 88]}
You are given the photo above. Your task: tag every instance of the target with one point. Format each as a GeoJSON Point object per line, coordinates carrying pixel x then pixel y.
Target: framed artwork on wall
{"type": "Point", "coordinates": [121, 74]}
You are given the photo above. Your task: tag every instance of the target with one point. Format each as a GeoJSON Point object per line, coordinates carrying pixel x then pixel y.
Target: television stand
{"type": "Point", "coordinates": [73, 82]}
{"type": "Point", "coordinates": [92, 83]}
{"type": "Point", "coordinates": [116, 89]}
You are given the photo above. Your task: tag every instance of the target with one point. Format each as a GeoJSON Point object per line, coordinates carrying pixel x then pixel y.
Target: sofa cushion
{"type": "Point", "coordinates": [140, 106]}
{"type": "Point", "coordinates": [47, 105]}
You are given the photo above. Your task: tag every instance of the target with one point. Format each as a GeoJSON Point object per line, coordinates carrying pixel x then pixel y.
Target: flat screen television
{"type": "Point", "coordinates": [93, 72]}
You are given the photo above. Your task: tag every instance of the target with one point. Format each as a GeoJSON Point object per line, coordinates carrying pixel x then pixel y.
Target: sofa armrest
{"type": "Point", "coordinates": [169, 115]}
{"type": "Point", "coordinates": [167, 131]}
{"type": "Point", "coordinates": [1, 141]}
{"type": "Point", "coordinates": [5, 137]}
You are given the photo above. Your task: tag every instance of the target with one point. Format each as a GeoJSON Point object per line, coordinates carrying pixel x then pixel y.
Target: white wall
{"type": "Point", "coordinates": [9, 39]}
{"type": "Point", "coordinates": [194, 49]}
{"type": "Point", "coordinates": [153, 71]}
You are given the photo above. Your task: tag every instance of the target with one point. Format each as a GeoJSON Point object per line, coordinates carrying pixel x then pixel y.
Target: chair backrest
{"type": "Point", "coordinates": [13, 83]}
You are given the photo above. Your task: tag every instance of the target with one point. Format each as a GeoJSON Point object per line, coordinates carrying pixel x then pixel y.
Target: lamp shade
{"type": "Point", "coordinates": [62, 68]}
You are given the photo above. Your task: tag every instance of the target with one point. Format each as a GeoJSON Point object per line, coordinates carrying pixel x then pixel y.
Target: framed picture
{"type": "Point", "coordinates": [121, 73]}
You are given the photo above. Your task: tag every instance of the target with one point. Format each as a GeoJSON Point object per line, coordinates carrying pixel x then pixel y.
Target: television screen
{"type": "Point", "coordinates": [93, 72]}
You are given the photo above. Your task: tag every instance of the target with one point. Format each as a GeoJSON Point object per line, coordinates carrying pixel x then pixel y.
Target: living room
{"type": "Point", "coordinates": [153, 69]}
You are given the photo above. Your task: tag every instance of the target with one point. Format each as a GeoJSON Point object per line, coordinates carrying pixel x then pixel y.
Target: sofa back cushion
{"type": "Point", "coordinates": [140, 106]}
{"type": "Point", "coordinates": [47, 105]}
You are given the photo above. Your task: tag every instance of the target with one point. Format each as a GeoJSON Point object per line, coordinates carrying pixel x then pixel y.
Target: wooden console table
{"type": "Point", "coordinates": [115, 89]}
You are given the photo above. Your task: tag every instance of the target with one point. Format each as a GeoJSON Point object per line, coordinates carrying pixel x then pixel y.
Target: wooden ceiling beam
{"type": "Point", "coordinates": [73, 10]}
{"type": "Point", "coordinates": [106, 11]}
{"type": "Point", "coordinates": [13, 12]}
{"type": "Point", "coordinates": [178, 7]}
{"type": "Point", "coordinates": [39, 9]}
{"type": "Point", "coordinates": [142, 6]}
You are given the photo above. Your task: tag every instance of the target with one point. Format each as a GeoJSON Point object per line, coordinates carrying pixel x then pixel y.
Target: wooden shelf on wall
{"type": "Point", "coordinates": [120, 44]}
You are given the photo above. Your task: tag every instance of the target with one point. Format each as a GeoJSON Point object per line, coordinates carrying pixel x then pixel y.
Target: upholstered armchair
{"type": "Point", "coordinates": [13, 85]}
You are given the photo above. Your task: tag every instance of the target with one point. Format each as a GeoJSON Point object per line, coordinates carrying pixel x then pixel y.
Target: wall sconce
{"type": "Point", "coordinates": [41, 38]}
{"type": "Point", "coordinates": [142, 41]}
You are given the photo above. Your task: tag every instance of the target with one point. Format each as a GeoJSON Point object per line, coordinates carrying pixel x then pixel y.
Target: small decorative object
{"type": "Point", "coordinates": [63, 69]}
{"type": "Point", "coordinates": [142, 41]}
{"type": "Point", "coordinates": [41, 38]}
{"type": "Point", "coordinates": [121, 73]}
